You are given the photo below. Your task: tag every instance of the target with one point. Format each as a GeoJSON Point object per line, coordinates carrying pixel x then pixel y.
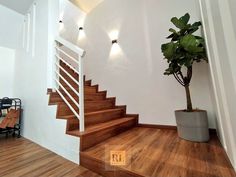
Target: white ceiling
{"type": "Point", "coordinates": [20, 6]}
{"type": "Point", "coordinates": [87, 5]}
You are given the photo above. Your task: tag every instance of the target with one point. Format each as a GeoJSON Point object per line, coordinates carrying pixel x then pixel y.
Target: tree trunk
{"type": "Point", "coordinates": [189, 101]}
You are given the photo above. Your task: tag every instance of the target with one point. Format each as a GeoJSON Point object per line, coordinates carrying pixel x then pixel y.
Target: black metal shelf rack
{"type": "Point", "coordinates": [7, 104]}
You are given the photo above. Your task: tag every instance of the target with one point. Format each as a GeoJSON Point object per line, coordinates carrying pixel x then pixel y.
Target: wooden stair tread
{"type": "Point", "coordinates": [92, 113]}
{"type": "Point", "coordinates": [86, 101]}
{"type": "Point", "coordinates": [88, 96]}
{"type": "Point", "coordinates": [101, 126]}
{"type": "Point", "coordinates": [102, 111]}
{"type": "Point", "coordinates": [86, 87]}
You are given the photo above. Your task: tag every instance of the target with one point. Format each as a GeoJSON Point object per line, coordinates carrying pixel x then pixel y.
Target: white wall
{"type": "Point", "coordinates": [10, 39]}
{"type": "Point", "coordinates": [53, 30]}
{"type": "Point", "coordinates": [31, 82]}
{"type": "Point", "coordinates": [7, 59]}
{"type": "Point", "coordinates": [232, 5]}
{"type": "Point", "coordinates": [219, 22]}
{"type": "Point", "coordinates": [72, 18]}
{"type": "Point", "coordinates": [18, 6]}
{"type": "Point", "coordinates": [135, 75]}
{"type": "Point", "coordinates": [11, 27]}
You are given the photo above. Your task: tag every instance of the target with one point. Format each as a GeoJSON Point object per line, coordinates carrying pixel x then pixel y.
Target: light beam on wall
{"type": "Point", "coordinates": [61, 15]}
{"type": "Point", "coordinates": [114, 35]}
{"type": "Point", "coordinates": [61, 26]}
{"type": "Point", "coordinates": [115, 49]}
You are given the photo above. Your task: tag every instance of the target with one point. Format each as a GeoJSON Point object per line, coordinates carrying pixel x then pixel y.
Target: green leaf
{"type": "Point", "coordinates": [168, 72]}
{"type": "Point", "coordinates": [170, 36]}
{"type": "Point", "coordinates": [172, 30]}
{"type": "Point", "coordinates": [197, 24]}
{"type": "Point", "coordinates": [192, 30]}
{"type": "Point", "coordinates": [178, 23]}
{"type": "Point", "coordinates": [188, 62]}
{"type": "Point", "coordinates": [183, 32]}
{"type": "Point", "coordinates": [182, 61]}
{"type": "Point", "coordinates": [191, 44]}
{"type": "Point", "coordinates": [185, 18]}
{"type": "Point", "coordinates": [174, 36]}
{"type": "Point", "coordinates": [194, 27]}
{"type": "Point", "coordinates": [168, 50]}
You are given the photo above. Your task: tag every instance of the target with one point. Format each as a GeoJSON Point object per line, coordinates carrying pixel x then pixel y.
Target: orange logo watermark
{"type": "Point", "coordinates": [117, 158]}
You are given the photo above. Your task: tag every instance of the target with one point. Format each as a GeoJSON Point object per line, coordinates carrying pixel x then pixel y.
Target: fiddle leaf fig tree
{"type": "Point", "coordinates": [182, 51]}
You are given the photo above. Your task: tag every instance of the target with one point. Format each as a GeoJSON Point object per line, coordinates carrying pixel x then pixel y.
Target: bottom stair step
{"type": "Point", "coordinates": [105, 169]}
{"type": "Point", "coordinates": [95, 134]}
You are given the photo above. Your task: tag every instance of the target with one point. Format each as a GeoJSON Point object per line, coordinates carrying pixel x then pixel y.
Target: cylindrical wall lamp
{"type": "Point", "coordinates": [81, 33]}
{"type": "Point", "coordinates": [115, 41]}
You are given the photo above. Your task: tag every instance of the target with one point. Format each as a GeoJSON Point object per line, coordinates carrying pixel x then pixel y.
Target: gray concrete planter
{"type": "Point", "coordinates": [192, 126]}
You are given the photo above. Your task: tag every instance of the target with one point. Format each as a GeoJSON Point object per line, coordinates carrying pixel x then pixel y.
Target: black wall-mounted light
{"type": "Point", "coordinates": [114, 41]}
{"type": "Point", "coordinates": [81, 28]}
{"type": "Point", "coordinates": [60, 21]}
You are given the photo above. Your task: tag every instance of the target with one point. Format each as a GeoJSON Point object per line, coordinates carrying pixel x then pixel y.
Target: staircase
{"type": "Point", "coordinates": [94, 118]}
{"type": "Point", "coordinates": [103, 119]}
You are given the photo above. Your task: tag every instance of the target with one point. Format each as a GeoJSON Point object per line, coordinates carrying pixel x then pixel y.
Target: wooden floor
{"type": "Point", "coordinates": [160, 153]}
{"type": "Point", "coordinates": [20, 157]}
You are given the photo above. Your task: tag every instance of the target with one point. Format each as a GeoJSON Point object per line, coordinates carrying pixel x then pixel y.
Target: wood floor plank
{"type": "Point", "coordinates": [23, 158]}
{"type": "Point", "coordinates": [161, 153]}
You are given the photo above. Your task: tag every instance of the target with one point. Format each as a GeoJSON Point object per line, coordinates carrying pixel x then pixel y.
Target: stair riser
{"type": "Point", "coordinates": [97, 95]}
{"type": "Point", "coordinates": [95, 119]}
{"type": "Point", "coordinates": [72, 124]}
{"type": "Point", "coordinates": [55, 99]}
{"type": "Point", "coordinates": [75, 76]}
{"type": "Point", "coordinates": [96, 166]}
{"type": "Point", "coordinates": [103, 117]}
{"type": "Point", "coordinates": [101, 105]}
{"type": "Point", "coordinates": [69, 70]}
{"type": "Point", "coordinates": [63, 109]}
{"type": "Point", "coordinates": [72, 82]}
{"type": "Point", "coordinates": [72, 73]}
{"type": "Point", "coordinates": [87, 90]}
{"type": "Point", "coordinates": [95, 138]}
{"type": "Point", "coordinates": [101, 167]}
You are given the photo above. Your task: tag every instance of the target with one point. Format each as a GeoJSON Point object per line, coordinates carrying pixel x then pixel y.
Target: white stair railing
{"type": "Point", "coordinates": [71, 55]}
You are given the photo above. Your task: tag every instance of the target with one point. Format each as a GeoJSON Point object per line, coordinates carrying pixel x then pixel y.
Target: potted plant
{"type": "Point", "coordinates": [181, 53]}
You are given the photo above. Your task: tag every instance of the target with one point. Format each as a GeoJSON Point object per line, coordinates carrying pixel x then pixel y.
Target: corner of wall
{"type": "Point", "coordinates": [67, 153]}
